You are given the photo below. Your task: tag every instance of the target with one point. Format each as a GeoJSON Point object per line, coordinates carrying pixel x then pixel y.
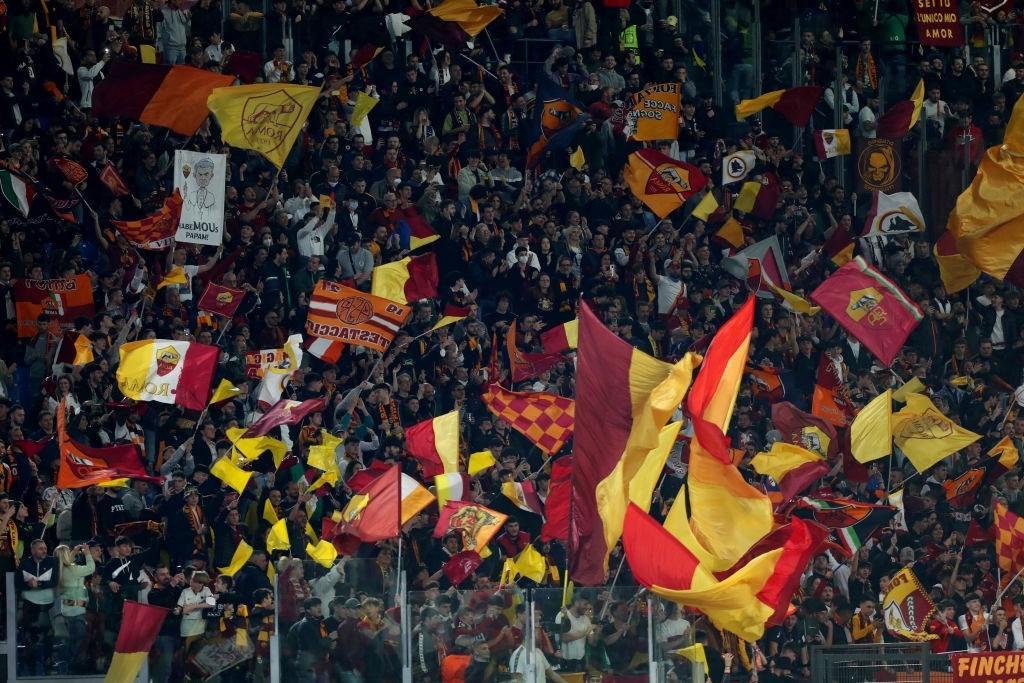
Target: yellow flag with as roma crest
{"type": "Point", "coordinates": [661, 182]}
{"type": "Point", "coordinates": [266, 118]}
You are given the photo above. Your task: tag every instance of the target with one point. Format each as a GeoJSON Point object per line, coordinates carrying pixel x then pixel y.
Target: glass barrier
{"type": "Point", "coordinates": [355, 634]}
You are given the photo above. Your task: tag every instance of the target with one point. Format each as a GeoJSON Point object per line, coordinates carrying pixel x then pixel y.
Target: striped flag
{"type": "Point", "coordinates": [140, 625]}
{"type": "Point", "coordinates": [347, 315]}
{"type": "Point", "coordinates": [18, 192]}
{"type": "Point", "coordinates": [564, 337]}
{"type": "Point", "coordinates": [435, 444]}
{"type": "Point", "coordinates": [411, 279]}
{"type": "Point", "coordinates": [327, 350]}
{"type": "Point", "coordinates": [524, 495]}
{"type": "Point", "coordinates": [114, 182]}
{"type": "Point", "coordinates": [451, 486]}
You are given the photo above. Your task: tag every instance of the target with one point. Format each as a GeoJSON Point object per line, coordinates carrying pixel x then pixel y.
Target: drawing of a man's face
{"type": "Point", "coordinates": [204, 173]}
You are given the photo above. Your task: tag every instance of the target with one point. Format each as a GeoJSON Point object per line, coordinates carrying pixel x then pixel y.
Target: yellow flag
{"type": "Point", "coordinates": [310, 534]}
{"type": "Point", "coordinates": [782, 459]}
{"type": "Point", "coordinates": [241, 555]}
{"type": "Point", "coordinates": [114, 483]}
{"type": "Point", "coordinates": [1007, 453]}
{"type": "Point", "coordinates": [250, 448]}
{"type": "Point", "coordinates": [707, 206]}
{"type": "Point", "coordinates": [577, 159]}
{"type": "Point", "coordinates": [918, 99]}
{"type": "Point", "coordinates": [175, 276]}
{"type": "Point", "coordinates": [479, 462]}
{"type": "Point", "coordinates": [914, 386]}
{"type": "Point", "coordinates": [83, 351]}
{"type": "Point", "coordinates": [472, 17]}
{"type": "Point", "coordinates": [277, 537]}
{"type": "Point", "coordinates": [747, 197]}
{"type": "Point", "coordinates": [642, 484]}
{"type": "Point", "coordinates": [269, 513]}
{"type": "Point", "coordinates": [325, 478]}
{"type": "Point", "coordinates": [364, 103]}
{"type": "Point", "coordinates": [793, 302]}
{"type": "Point", "coordinates": [531, 564]}
{"type": "Point", "coordinates": [266, 118]}
{"type": "Point", "coordinates": [231, 474]}
{"type": "Point", "coordinates": [871, 431]}
{"type": "Point", "coordinates": [225, 391]}
{"type": "Point", "coordinates": [447, 320]}
{"type": "Point", "coordinates": [323, 553]}
{"type": "Point", "coordinates": [695, 653]}
{"type": "Point", "coordinates": [925, 435]}
{"type": "Point", "coordinates": [509, 572]}
{"type": "Point", "coordinates": [321, 456]}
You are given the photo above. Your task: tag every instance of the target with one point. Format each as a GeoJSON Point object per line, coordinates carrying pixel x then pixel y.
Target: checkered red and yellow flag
{"type": "Point", "coordinates": [1009, 539]}
{"type": "Point", "coordinates": [545, 419]}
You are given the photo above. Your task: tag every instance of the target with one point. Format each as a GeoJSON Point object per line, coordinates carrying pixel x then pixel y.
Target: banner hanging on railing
{"type": "Point", "coordinates": [988, 667]}
{"type": "Point", "coordinates": [938, 23]}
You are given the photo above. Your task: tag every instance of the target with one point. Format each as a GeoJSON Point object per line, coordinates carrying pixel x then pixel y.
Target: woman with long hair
{"type": "Point", "coordinates": [76, 565]}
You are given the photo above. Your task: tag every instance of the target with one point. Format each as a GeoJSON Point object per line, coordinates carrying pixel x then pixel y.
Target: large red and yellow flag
{"type": "Point", "coordinates": [895, 123]}
{"type": "Point", "coordinates": [63, 299]}
{"type": "Point", "coordinates": [221, 300]}
{"type": "Point", "coordinates": [988, 221]}
{"type": "Point", "coordinates": [729, 515]}
{"type": "Point", "coordinates": [476, 524]}
{"type": "Point", "coordinates": [757, 593]}
{"type": "Point", "coordinates": [435, 444]}
{"type": "Point", "coordinates": [411, 279]}
{"type": "Point", "coordinates": [155, 231]}
{"type": "Point", "coordinates": [168, 96]}
{"type": "Point", "coordinates": [624, 397]}
{"type": "Point", "coordinates": [870, 307]}
{"type": "Point", "coordinates": [957, 272]}
{"type": "Point", "coordinates": [82, 466]}
{"type": "Point", "coordinates": [661, 182]}
{"type": "Point", "coordinates": [1009, 539]}
{"type": "Point", "coordinates": [375, 514]}
{"type": "Point", "coordinates": [140, 625]}
{"type": "Point", "coordinates": [795, 104]}
{"type": "Point", "coordinates": [266, 118]}
{"type": "Point", "coordinates": [347, 315]}
{"type": "Point", "coordinates": [545, 419]}
{"type": "Point", "coordinates": [653, 113]}
{"type": "Point", "coordinates": [167, 371]}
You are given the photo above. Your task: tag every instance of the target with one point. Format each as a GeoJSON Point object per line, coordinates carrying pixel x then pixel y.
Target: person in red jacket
{"type": "Point", "coordinates": [950, 637]}
{"type": "Point", "coordinates": [513, 540]}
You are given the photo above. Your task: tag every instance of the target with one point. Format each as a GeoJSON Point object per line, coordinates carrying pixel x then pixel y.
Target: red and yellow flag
{"type": "Point", "coordinates": [624, 397]}
{"type": "Point", "coordinates": [411, 279]}
{"type": "Point", "coordinates": [564, 337]}
{"type": "Point", "coordinates": [82, 466]}
{"type": "Point", "coordinates": [547, 420]}
{"type": "Point", "coordinates": [63, 299]}
{"type": "Point", "coordinates": [435, 444]}
{"type": "Point", "coordinates": [476, 524]}
{"type": "Point", "coordinates": [795, 104]}
{"type": "Point", "coordinates": [661, 182]}
{"type": "Point", "coordinates": [729, 515]}
{"type": "Point", "coordinates": [376, 513]}
{"type": "Point", "coordinates": [155, 231]}
{"type": "Point", "coordinates": [140, 625]}
{"type": "Point", "coordinates": [1009, 539]}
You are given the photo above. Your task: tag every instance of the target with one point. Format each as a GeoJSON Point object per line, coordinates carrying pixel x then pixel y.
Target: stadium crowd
{"type": "Point", "coordinates": [449, 137]}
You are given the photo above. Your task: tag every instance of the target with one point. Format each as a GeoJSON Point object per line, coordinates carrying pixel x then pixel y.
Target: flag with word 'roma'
{"type": "Point", "coordinates": [545, 419]}
{"type": "Point", "coordinates": [870, 307]}
{"type": "Point", "coordinates": [266, 118]}
{"type": "Point", "coordinates": [63, 299]}
{"type": "Point", "coordinates": [343, 314]}
{"type": "Point", "coordinates": [661, 182]}
{"type": "Point", "coordinates": [167, 371]}
{"type": "Point", "coordinates": [140, 625]}
{"type": "Point", "coordinates": [155, 231]}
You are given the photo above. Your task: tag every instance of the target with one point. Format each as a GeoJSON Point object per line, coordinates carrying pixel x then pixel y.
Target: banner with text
{"type": "Point", "coordinates": [200, 177]}
{"type": "Point", "coordinates": [989, 667]}
{"type": "Point", "coordinates": [938, 23]}
{"type": "Point", "coordinates": [653, 113]}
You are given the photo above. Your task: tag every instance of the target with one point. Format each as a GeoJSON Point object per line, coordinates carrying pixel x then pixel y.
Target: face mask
{"type": "Point", "coordinates": [352, 206]}
{"type": "Point", "coordinates": [523, 259]}
{"type": "Point", "coordinates": [268, 242]}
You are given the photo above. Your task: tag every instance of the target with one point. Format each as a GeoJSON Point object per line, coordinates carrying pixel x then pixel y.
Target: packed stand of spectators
{"type": "Point", "coordinates": [449, 138]}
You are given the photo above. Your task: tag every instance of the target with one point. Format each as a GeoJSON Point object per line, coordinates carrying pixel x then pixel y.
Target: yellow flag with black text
{"type": "Point", "coordinates": [266, 118]}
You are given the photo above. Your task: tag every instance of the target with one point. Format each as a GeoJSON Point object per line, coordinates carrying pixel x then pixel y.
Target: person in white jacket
{"type": "Point", "coordinates": [310, 237]}
{"type": "Point", "coordinates": [88, 73]}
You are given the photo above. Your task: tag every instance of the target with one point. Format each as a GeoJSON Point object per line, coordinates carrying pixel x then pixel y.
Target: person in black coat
{"type": "Point", "coordinates": [253, 577]}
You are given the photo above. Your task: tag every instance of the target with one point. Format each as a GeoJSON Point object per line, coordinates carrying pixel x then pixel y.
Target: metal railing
{"type": "Point", "coordinates": [875, 663]}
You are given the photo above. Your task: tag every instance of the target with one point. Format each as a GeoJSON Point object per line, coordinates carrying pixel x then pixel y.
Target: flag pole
{"type": "Point", "coordinates": [479, 66]}
{"type": "Point", "coordinates": [1016, 576]}
{"type": "Point", "coordinates": [604, 608]}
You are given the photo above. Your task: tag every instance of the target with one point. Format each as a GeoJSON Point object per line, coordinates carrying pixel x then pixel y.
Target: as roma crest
{"type": "Point", "coordinates": [556, 115]}
{"type": "Point", "coordinates": [167, 359]}
{"type": "Point", "coordinates": [668, 179]}
{"type": "Point", "coordinates": [268, 119]}
{"type": "Point", "coordinates": [866, 304]}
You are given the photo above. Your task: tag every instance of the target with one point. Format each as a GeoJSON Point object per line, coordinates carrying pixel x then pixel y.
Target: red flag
{"type": "Point", "coordinates": [461, 566]}
{"type": "Point", "coordinates": [556, 507]}
{"type": "Point", "coordinates": [527, 365]}
{"type": "Point", "coordinates": [112, 179]}
{"type": "Point", "coordinates": [221, 300]}
{"type": "Point", "coordinates": [376, 513]}
{"type": "Point", "coordinates": [72, 171]}
{"type": "Point", "coordinates": [82, 466]}
{"type": "Point", "coordinates": [870, 307]}
{"type": "Point", "coordinates": [284, 412]}
{"type": "Point", "coordinates": [32, 448]}
{"type": "Point", "coordinates": [140, 625]}
{"type": "Point", "coordinates": [359, 481]}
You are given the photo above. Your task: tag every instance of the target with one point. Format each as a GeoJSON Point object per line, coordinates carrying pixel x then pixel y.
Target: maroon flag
{"type": "Point", "coordinates": [870, 307]}
{"type": "Point", "coordinates": [556, 507]}
{"type": "Point", "coordinates": [114, 182]}
{"type": "Point", "coordinates": [72, 171]}
{"type": "Point", "coordinates": [284, 412]}
{"type": "Point", "coordinates": [221, 300]}
{"type": "Point", "coordinates": [805, 430]}
{"type": "Point", "coordinates": [461, 566]}
{"type": "Point", "coordinates": [32, 448]}
{"type": "Point", "coordinates": [527, 365]}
